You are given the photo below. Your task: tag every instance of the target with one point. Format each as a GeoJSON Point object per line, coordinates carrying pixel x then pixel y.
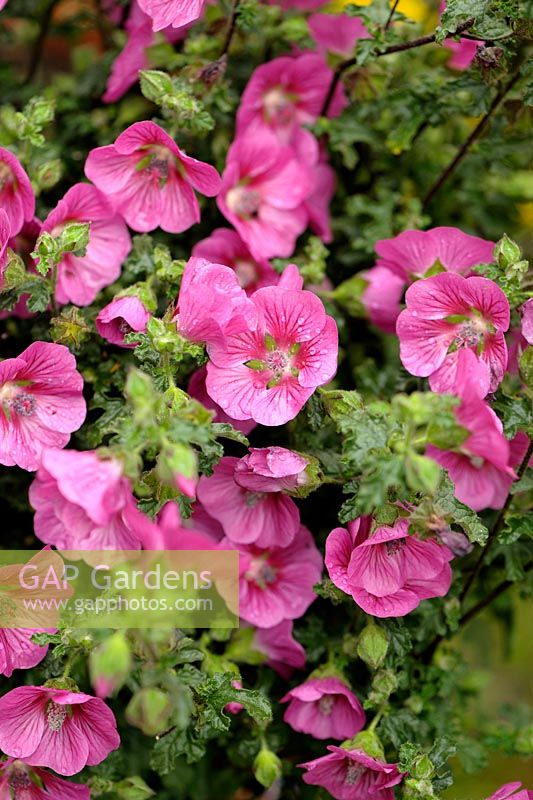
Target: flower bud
{"type": "Point", "coordinates": [384, 684]}
{"type": "Point", "coordinates": [149, 710]}
{"type": "Point", "coordinates": [155, 84]}
{"type": "Point", "coordinates": [109, 665]}
{"type": "Point", "coordinates": [372, 645]}
{"type": "Point", "coordinates": [267, 767]}
{"type": "Point", "coordinates": [176, 466]}
{"type": "Point", "coordinates": [48, 174]}
{"type": "Point", "coordinates": [422, 767]}
{"type": "Point", "coordinates": [506, 252]}
{"type": "Point", "coordinates": [368, 741]}
{"type": "Point", "coordinates": [133, 788]}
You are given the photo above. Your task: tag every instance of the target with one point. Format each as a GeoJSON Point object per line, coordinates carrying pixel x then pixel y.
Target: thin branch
{"type": "Point", "coordinates": [427, 654]}
{"type": "Point", "coordinates": [463, 150]}
{"type": "Point", "coordinates": [391, 14]}
{"type": "Point", "coordinates": [493, 535]}
{"type": "Point", "coordinates": [39, 43]}
{"type": "Point", "coordinates": [392, 48]}
{"type": "Point", "coordinates": [487, 600]}
{"type": "Point", "coordinates": [232, 26]}
{"type": "Point", "coordinates": [469, 615]}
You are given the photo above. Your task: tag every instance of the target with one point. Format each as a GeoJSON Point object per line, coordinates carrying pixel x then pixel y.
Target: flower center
{"type": "Point", "coordinates": [246, 272]}
{"type": "Point", "coordinates": [395, 546]}
{"type": "Point", "coordinates": [6, 176]}
{"type": "Point", "coordinates": [23, 404]}
{"type": "Point", "coordinates": [277, 361]}
{"type": "Point", "coordinates": [326, 703]}
{"type": "Point", "coordinates": [278, 106]}
{"type": "Point", "coordinates": [14, 399]}
{"type": "Point", "coordinates": [261, 573]}
{"type": "Point", "coordinates": [353, 773]}
{"type": "Point", "coordinates": [55, 716]}
{"type": "Point", "coordinates": [470, 332]}
{"type": "Point", "coordinates": [243, 201]}
{"type": "Point", "coordinates": [124, 327]}
{"type": "Point", "coordinates": [253, 498]}
{"type": "Point", "coordinates": [157, 163]}
{"type": "Point", "coordinates": [20, 782]}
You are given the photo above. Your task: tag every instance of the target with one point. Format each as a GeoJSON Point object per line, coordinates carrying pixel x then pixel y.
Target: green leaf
{"type": "Point", "coordinates": [172, 746]}
{"type": "Point", "coordinates": [218, 691]}
{"type": "Point", "coordinates": [447, 505]}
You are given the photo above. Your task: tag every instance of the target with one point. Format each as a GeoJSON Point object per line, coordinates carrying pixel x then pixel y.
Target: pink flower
{"type": "Point", "coordinates": [446, 313]}
{"type": "Point", "coordinates": [527, 321]}
{"type": "Point", "coordinates": [480, 467]}
{"type": "Point", "coordinates": [511, 792]}
{"type": "Point", "coordinates": [277, 583]}
{"type": "Point", "coordinates": [172, 12]}
{"type": "Point", "coordinates": [337, 33]}
{"type": "Point", "coordinates": [210, 297]}
{"type": "Point", "coordinates": [382, 296]}
{"type": "Point", "coordinates": [463, 51]}
{"type": "Point", "coordinates": [133, 58]}
{"type": "Point", "coordinates": [197, 389]}
{"type": "Point", "coordinates": [412, 253]}
{"type": "Point", "coordinates": [169, 533]}
{"type": "Point", "coordinates": [324, 708]}
{"type": "Point", "coordinates": [114, 10]}
{"type": "Point", "coordinates": [121, 316]}
{"type": "Point", "coordinates": [17, 651]}
{"type": "Point", "coordinates": [80, 278]}
{"type": "Point", "coordinates": [85, 503]}
{"type": "Point", "coordinates": [286, 93]}
{"type": "Point", "coordinates": [16, 195]}
{"type": "Point", "coordinates": [149, 180]}
{"type": "Point", "coordinates": [56, 728]}
{"type": "Point", "coordinates": [317, 204]}
{"type": "Point", "coordinates": [23, 244]}
{"type": "Point", "coordinates": [20, 780]}
{"type": "Point", "coordinates": [271, 469]}
{"type": "Point", "coordinates": [263, 191]}
{"type": "Point", "coordinates": [390, 572]}
{"type": "Point", "coordinates": [283, 652]}
{"type": "Point", "coordinates": [41, 403]}
{"type": "Point", "coordinates": [5, 235]}
{"type": "Point", "coordinates": [126, 66]}
{"type": "Point", "coordinates": [265, 518]}
{"type": "Point", "coordinates": [269, 371]}
{"type": "Point", "coordinates": [352, 775]}
{"type": "Point", "coordinates": [309, 152]}
{"type": "Point", "coordinates": [225, 246]}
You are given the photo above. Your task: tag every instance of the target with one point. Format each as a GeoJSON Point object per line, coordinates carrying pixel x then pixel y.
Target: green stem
{"type": "Point", "coordinates": [377, 719]}
{"type": "Point", "coordinates": [69, 664]}
{"type": "Point", "coordinates": [53, 286]}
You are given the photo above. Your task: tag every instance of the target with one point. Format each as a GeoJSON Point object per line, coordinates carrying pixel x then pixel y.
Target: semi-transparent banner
{"type": "Point", "coordinates": [48, 589]}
